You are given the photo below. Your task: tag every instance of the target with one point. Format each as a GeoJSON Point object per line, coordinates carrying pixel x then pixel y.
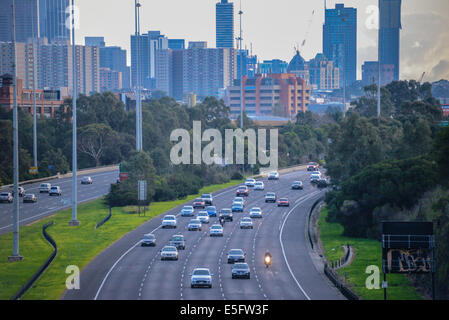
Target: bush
{"type": "Point", "coordinates": [236, 176]}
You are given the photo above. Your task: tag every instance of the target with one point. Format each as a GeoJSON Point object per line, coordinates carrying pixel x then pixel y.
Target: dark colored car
{"type": "Point", "coordinates": [242, 191]}
{"type": "Point", "coordinates": [178, 242]}
{"type": "Point", "coordinates": [297, 185]}
{"type": "Point", "coordinates": [283, 202]}
{"type": "Point", "coordinates": [241, 271]}
{"type": "Point", "coordinates": [199, 203]}
{"type": "Point", "coordinates": [29, 197]}
{"type": "Point", "coordinates": [227, 215]}
{"type": "Point", "coordinates": [236, 255]}
{"type": "Point", "coordinates": [322, 183]}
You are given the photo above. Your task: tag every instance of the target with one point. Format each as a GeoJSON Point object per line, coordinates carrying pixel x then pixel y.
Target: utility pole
{"type": "Point", "coordinates": [74, 221]}
{"type": "Point", "coordinates": [240, 38]}
{"type": "Point", "coordinates": [15, 250]}
{"type": "Point", "coordinates": [137, 6]}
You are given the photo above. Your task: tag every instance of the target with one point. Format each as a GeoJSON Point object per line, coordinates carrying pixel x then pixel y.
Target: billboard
{"type": "Point", "coordinates": [407, 247]}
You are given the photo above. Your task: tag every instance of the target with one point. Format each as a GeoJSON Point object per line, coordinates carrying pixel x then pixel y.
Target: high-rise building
{"type": "Point", "coordinates": [27, 20]}
{"type": "Point", "coordinates": [114, 58]}
{"type": "Point", "coordinates": [370, 73]}
{"type": "Point", "coordinates": [54, 15]}
{"type": "Point", "coordinates": [299, 68]}
{"type": "Point", "coordinates": [323, 74]}
{"type": "Point", "coordinates": [164, 71]}
{"type": "Point", "coordinates": [249, 64]}
{"type": "Point", "coordinates": [273, 66]}
{"type": "Point", "coordinates": [176, 44]}
{"type": "Point", "coordinates": [94, 41]}
{"type": "Point", "coordinates": [110, 80]}
{"type": "Point", "coordinates": [340, 41]}
{"type": "Point", "coordinates": [148, 44]}
{"type": "Point", "coordinates": [225, 24]}
{"type": "Point", "coordinates": [389, 33]}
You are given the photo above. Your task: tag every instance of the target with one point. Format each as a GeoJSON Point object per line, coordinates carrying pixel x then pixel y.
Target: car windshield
{"type": "Point", "coordinates": [188, 208]}
{"type": "Point", "coordinates": [5, 194]}
{"type": "Point", "coordinates": [169, 218]}
{"type": "Point", "coordinates": [178, 238]}
{"type": "Point", "coordinates": [242, 188]}
{"type": "Point", "coordinates": [255, 209]}
{"type": "Point", "coordinates": [246, 220]}
{"type": "Point", "coordinates": [199, 200]}
{"type": "Point", "coordinates": [259, 183]}
{"type": "Point", "coordinates": [270, 194]}
{"type": "Point", "coordinates": [235, 251]}
{"type": "Point", "coordinates": [226, 211]}
{"type": "Point", "coordinates": [201, 273]}
{"type": "Point", "coordinates": [216, 227]}
{"type": "Point", "coordinates": [203, 214]}
{"type": "Point", "coordinates": [241, 266]}
{"type": "Point", "coordinates": [195, 221]}
{"type": "Point", "coordinates": [149, 236]}
{"type": "Point", "coordinates": [283, 200]}
{"type": "Point", "coordinates": [206, 196]}
{"type": "Point", "coordinates": [211, 208]}
{"type": "Point", "coordinates": [169, 249]}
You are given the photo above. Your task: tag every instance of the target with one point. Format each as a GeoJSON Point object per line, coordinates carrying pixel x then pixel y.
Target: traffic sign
{"type": "Point", "coordinates": [142, 190]}
{"type": "Point", "coordinates": [33, 170]}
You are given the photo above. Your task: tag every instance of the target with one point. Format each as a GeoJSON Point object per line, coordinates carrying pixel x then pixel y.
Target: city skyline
{"type": "Point", "coordinates": [419, 52]}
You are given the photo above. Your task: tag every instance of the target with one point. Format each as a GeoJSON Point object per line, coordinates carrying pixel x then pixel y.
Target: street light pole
{"type": "Point", "coordinates": [15, 250]}
{"type": "Point", "coordinates": [74, 221]}
{"type": "Point", "coordinates": [241, 77]}
{"type": "Point", "coordinates": [379, 68]}
{"type": "Point", "coordinates": [34, 99]}
{"type": "Point", "coordinates": [138, 78]}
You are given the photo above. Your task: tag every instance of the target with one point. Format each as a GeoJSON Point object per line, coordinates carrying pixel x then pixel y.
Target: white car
{"type": "Point", "coordinates": [255, 213]}
{"type": "Point", "coordinates": [44, 187]}
{"type": "Point", "coordinates": [203, 216]}
{"type": "Point", "coordinates": [194, 225]}
{"type": "Point", "coordinates": [187, 211]}
{"type": "Point", "coordinates": [169, 221]}
{"type": "Point", "coordinates": [246, 223]}
{"type": "Point", "coordinates": [274, 175]}
{"type": "Point", "coordinates": [250, 182]}
{"type": "Point", "coordinates": [259, 185]}
{"type": "Point", "coordinates": [239, 199]}
{"type": "Point", "coordinates": [55, 190]}
{"type": "Point", "coordinates": [201, 277]}
{"type": "Point", "coordinates": [216, 230]}
{"type": "Point", "coordinates": [315, 176]}
{"type": "Point", "coordinates": [86, 180]}
{"type": "Point", "coordinates": [169, 253]}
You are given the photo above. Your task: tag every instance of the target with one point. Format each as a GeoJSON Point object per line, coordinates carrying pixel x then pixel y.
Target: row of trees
{"type": "Point", "coordinates": [385, 169]}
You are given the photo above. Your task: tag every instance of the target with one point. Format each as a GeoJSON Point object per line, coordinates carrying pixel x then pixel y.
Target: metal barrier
{"type": "Point", "coordinates": [102, 222]}
{"type": "Point", "coordinates": [339, 284]}
{"type": "Point", "coordinates": [310, 218]}
{"type": "Point", "coordinates": [41, 270]}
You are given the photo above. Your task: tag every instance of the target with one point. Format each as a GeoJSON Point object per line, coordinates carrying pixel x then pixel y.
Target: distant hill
{"type": "Point", "coordinates": [440, 89]}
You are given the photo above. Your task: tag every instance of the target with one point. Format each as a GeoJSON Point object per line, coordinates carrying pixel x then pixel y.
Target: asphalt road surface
{"type": "Point", "coordinates": [127, 271]}
{"type": "Point", "coordinates": [46, 205]}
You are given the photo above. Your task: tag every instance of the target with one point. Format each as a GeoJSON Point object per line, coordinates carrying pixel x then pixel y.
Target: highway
{"type": "Point", "coordinates": [46, 205]}
{"type": "Point", "coordinates": [127, 271]}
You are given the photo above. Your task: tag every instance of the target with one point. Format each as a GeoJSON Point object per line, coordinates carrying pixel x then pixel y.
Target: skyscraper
{"type": "Point", "coordinates": [53, 15]}
{"type": "Point", "coordinates": [390, 26]}
{"type": "Point", "coordinates": [94, 41]}
{"type": "Point", "coordinates": [114, 58]}
{"type": "Point", "coordinates": [225, 24]}
{"type": "Point", "coordinates": [340, 40]}
{"type": "Point", "coordinates": [27, 20]}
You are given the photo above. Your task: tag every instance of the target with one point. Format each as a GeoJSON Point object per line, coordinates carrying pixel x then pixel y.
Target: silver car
{"type": "Point", "coordinates": [216, 230]}
{"type": "Point", "coordinates": [201, 277]}
{"type": "Point", "coordinates": [55, 191]}
{"type": "Point", "coordinates": [148, 240]}
{"type": "Point", "coordinates": [86, 180]}
{"type": "Point", "coordinates": [246, 223]}
{"type": "Point", "coordinates": [169, 221]}
{"type": "Point", "coordinates": [194, 225]}
{"type": "Point", "coordinates": [44, 187]}
{"type": "Point", "coordinates": [6, 197]}
{"type": "Point", "coordinates": [169, 253]}
{"type": "Point", "coordinates": [203, 216]}
{"type": "Point", "coordinates": [178, 241]}
{"type": "Point", "coordinates": [255, 213]}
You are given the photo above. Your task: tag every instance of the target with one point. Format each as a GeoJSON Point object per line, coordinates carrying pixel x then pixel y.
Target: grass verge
{"type": "Point", "coordinates": [367, 252]}
{"type": "Point", "coordinates": [76, 245]}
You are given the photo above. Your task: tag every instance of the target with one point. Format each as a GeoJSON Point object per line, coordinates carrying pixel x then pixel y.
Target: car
{"type": "Point", "coordinates": [297, 185]}
{"type": "Point", "coordinates": [199, 203]}
{"type": "Point", "coordinates": [203, 216]}
{"type": "Point", "coordinates": [250, 182]}
{"type": "Point", "coordinates": [259, 185]}
{"type": "Point", "coordinates": [148, 240]}
{"type": "Point", "coordinates": [237, 207]}
{"type": "Point", "coordinates": [201, 277]}
{"type": "Point", "coordinates": [194, 225]}
{"type": "Point", "coordinates": [246, 223]}
{"type": "Point", "coordinates": [55, 190]}
{"type": "Point", "coordinates": [208, 199]}
{"type": "Point", "coordinates": [241, 271]}
{"type": "Point", "coordinates": [227, 214]}
{"type": "Point", "coordinates": [216, 230]}
{"type": "Point", "coordinates": [283, 202]}
{"type": "Point", "coordinates": [270, 197]}
{"type": "Point", "coordinates": [315, 176]}
{"type": "Point", "coordinates": [236, 255]}
{"type": "Point", "coordinates": [169, 253]}
{"type": "Point", "coordinates": [169, 221]}
{"type": "Point", "coordinates": [312, 166]}
{"type": "Point", "coordinates": [86, 180]}
{"type": "Point", "coordinates": [255, 213]}
{"type": "Point", "coordinates": [274, 175]}
{"type": "Point", "coordinates": [187, 211]}
{"type": "Point", "coordinates": [322, 183]}
{"type": "Point", "coordinates": [29, 197]}
{"type": "Point", "coordinates": [242, 191]}
{"type": "Point", "coordinates": [178, 242]}
{"type": "Point", "coordinates": [20, 190]}
{"type": "Point", "coordinates": [239, 199]}
{"type": "Point", "coordinates": [44, 188]}
{"type": "Point", "coordinates": [211, 211]}
{"type": "Point", "coordinates": [6, 197]}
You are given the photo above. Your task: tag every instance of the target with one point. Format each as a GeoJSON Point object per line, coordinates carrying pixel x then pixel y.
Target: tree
{"type": "Point", "coordinates": [93, 139]}
{"type": "Point", "coordinates": [440, 154]}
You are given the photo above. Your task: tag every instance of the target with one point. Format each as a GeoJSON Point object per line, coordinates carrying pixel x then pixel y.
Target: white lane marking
{"type": "Point", "coordinates": [311, 195]}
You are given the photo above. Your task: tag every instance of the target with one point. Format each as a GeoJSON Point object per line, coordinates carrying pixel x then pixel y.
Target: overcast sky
{"type": "Point", "coordinates": [275, 27]}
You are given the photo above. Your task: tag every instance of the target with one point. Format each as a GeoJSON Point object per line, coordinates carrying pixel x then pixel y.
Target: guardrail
{"type": "Point", "coordinates": [41, 270]}
{"type": "Point", "coordinates": [102, 222]}
{"type": "Point", "coordinates": [61, 176]}
{"type": "Point", "coordinates": [310, 218]}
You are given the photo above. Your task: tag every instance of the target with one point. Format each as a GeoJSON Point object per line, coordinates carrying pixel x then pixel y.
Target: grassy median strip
{"type": "Point", "coordinates": [367, 252]}
{"type": "Point", "coordinates": [76, 245]}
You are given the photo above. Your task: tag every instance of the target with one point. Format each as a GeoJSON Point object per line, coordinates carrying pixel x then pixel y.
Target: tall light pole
{"type": "Point", "coordinates": [379, 68]}
{"type": "Point", "coordinates": [137, 6]}
{"type": "Point", "coordinates": [15, 247]}
{"type": "Point", "coordinates": [74, 221]}
{"type": "Point", "coordinates": [34, 98]}
{"type": "Point", "coordinates": [240, 38]}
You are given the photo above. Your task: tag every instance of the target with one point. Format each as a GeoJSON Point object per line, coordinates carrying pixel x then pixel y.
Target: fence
{"type": "Point", "coordinates": [102, 222]}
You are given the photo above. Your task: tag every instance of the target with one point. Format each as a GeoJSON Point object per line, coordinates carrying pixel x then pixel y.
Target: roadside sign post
{"type": "Point", "coordinates": [142, 194]}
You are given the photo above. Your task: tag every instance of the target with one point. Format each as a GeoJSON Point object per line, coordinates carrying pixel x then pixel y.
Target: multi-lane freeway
{"type": "Point", "coordinates": [128, 271]}
{"type": "Point", "coordinates": [47, 205]}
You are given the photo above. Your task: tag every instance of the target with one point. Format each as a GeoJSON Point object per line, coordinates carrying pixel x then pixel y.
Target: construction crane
{"type": "Point", "coordinates": [422, 77]}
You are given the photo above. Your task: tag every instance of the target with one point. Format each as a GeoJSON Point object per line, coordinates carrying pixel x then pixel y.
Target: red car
{"type": "Point", "coordinates": [313, 166]}
{"type": "Point", "coordinates": [283, 202]}
{"type": "Point", "coordinates": [242, 191]}
{"type": "Point", "coordinates": [199, 203]}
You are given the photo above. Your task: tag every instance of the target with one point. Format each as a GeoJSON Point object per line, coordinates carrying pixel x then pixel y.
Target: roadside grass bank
{"type": "Point", "coordinates": [76, 245]}
{"type": "Point", "coordinates": [367, 252]}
